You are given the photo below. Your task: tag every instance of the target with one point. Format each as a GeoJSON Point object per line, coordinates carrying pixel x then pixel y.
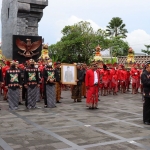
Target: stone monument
{"type": "Point", "coordinates": [19, 17]}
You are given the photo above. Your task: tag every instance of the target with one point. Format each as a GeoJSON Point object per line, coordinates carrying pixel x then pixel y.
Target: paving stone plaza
{"type": "Point", "coordinates": [116, 125]}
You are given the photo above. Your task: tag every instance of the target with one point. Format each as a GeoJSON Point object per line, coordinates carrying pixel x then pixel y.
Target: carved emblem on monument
{"type": "Point", "coordinates": [28, 48]}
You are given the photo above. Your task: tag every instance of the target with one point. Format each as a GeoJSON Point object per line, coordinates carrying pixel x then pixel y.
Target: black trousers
{"type": "Point", "coordinates": [146, 109]}
{"type": "Point", "coordinates": [44, 95]}
{"type": "Point", "coordinates": [24, 90]}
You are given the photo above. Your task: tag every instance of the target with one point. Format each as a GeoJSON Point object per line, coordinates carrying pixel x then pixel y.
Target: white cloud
{"type": "Point", "coordinates": [98, 12]}
{"type": "Point", "coordinates": [94, 25]}
{"type": "Point", "coordinates": [71, 21]}
{"type": "Point", "coordinates": [137, 39]}
{"type": "Point", "coordinates": [60, 24]}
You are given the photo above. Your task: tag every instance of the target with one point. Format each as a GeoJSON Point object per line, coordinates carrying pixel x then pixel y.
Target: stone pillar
{"type": "Point", "coordinates": [19, 17]}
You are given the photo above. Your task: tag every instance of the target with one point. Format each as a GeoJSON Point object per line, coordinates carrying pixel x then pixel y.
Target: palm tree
{"type": "Point", "coordinates": [147, 51]}
{"type": "Point", "coordinates": [117, 27]}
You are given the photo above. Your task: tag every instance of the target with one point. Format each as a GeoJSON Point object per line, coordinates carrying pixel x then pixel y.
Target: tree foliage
{"type": "Point", "coordinates": [119, 47]}
{"type": "Point", "coordinates": [78, 43]}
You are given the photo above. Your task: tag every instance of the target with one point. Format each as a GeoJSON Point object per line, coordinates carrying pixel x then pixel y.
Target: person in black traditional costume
{"type": "Point", "coordinates": [77, 89]}
{"type": "Point", "coordinates": [18, 66]}
{"type": "Point", "coordinates": [40, 82]}
{"type": "Point", "coordinates": [31, 82]}
{"type": "Point", "coordinates": [58, 82]}
{"type": "Point", "coordinates": [49, 75]}
{"type": "Point", "coordinates": [145, 79]}
{"type": "Point", "coordinates": [13, 83]}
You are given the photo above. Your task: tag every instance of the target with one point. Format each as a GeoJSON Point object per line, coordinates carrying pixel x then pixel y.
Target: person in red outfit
{"type": "Point", "coordinates": [135, 77]}
{"type": "Point", "coordinates": [92, 81]}
{"type": "Point", "coordinates": [128, 79]}
{"type": "Point", "coordinates": [4, 70]}
{"type": "Point", "coordinates": [119, 76]}
{"type": "Point", "coordinates": [105, 79]}
{"type": "Point", "coordinates": [114, 80]}
{"type": "Point", "coordinates": [123, 78]}
{"type": "Point", "coordinates": [109, 80]}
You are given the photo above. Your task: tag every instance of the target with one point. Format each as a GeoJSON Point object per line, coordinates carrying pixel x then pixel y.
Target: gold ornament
{"type": "Point", "coordinates": [97, 56]}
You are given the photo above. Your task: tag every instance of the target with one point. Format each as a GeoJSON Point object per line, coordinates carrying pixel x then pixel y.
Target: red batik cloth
{"type": "Point", "coordinates": [135, 77]}
{"type": "Point", "coordinates": [128, 79]}
{"type": "Point", "coordinates": [114, 79]}
{"type": "Point", "coordinates": [101, 85]}
{"type": "Point", "coordinates": [123, 77]}
{"type": "Point", "coordinates": [105, 77]}
{"type": "Point", "coordinates": [139, 78]}
{"type": "Point", "coordinates": [92, 96]}
{"type": "Point", "coordinates": [92, 90]}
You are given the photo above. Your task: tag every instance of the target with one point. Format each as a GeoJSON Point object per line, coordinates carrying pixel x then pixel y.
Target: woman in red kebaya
{"type": "Point", "coordinates": [135, 77]}
{"type": "Point", "coordinates": [114, 80]}
{"type": "Point", "coordinates": [119, 76]}
{"type": "Point", "coordinates": [105, 79]}
{"type": "Point", "coordinates": [128, 79]}
{"type": "Point", "coordinates": [123, 78]}
{"type": "Point", "coordinates": [109, 81]}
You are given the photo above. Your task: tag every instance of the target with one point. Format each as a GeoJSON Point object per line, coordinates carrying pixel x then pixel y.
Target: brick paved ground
{"type": "Point", "coordinates": [116, 125]}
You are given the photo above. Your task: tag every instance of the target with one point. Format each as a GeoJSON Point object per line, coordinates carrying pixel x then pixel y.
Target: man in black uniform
{"type": "Point", "coordinates": [77, 89]}
{"type": "Point", "coordinates": [49, 75]}
{"type": "Point", "coordinates": [13, 83]}
{"type": "Point", "coordinates": [145, 79]}
{"type": "Point", "coordinates": [31, 82]}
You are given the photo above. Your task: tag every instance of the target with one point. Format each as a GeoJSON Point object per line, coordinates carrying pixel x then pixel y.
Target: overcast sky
{"type": "Point", "coordinates": [134, 13]}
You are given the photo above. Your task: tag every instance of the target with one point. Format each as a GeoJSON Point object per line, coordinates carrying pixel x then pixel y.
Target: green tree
{"type": "Point", "coordinates": [147, 51]}
{"type": "Point", "coordinates": [55, 51]}
{"type": "Point", "coordinates": [78, 42]}
{"type": "Point", "coordinates": [119, 47]}
{"type": "Point", "coordinates": [116, 26]}
{"type": "Point", "coordinates": [81, 40]}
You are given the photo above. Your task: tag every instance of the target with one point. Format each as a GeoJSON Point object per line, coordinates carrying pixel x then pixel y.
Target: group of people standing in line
{"type": "Point", "coordinates": [116, 78]}
{"type": "Point", "coordinates": [36, 80]}
{"type": "Point", "coordinates": [30, 82]}
{"type": "Point", "coordinates": [108, 79]}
